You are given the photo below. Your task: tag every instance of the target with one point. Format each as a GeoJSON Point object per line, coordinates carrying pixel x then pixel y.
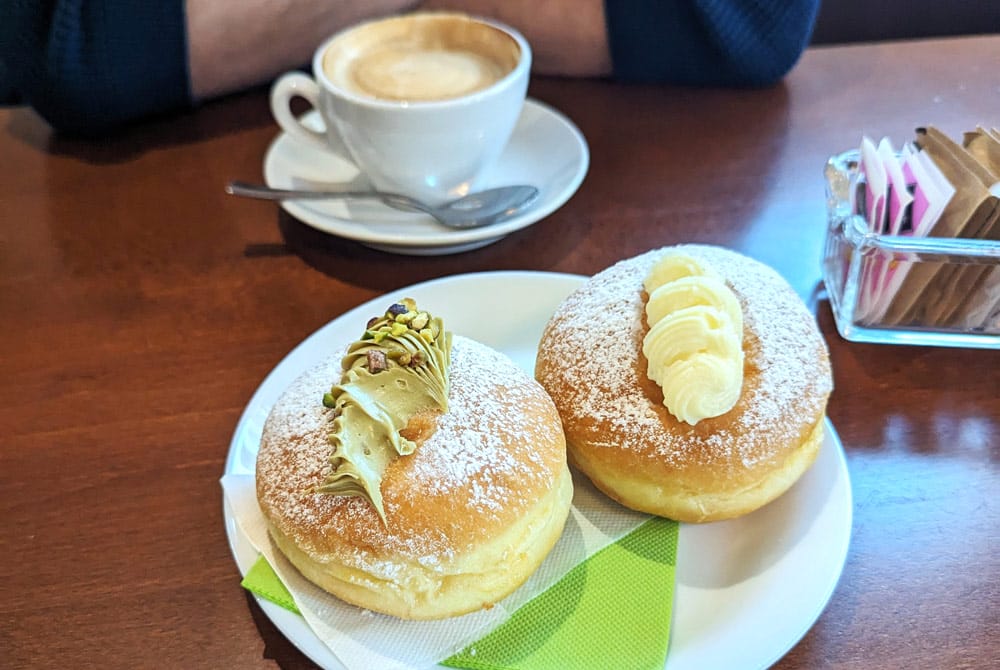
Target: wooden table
{"type": "Point", "coordinates": [141, 307]}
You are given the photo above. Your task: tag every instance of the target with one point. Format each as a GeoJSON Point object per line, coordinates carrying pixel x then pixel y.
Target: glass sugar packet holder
{"type": "Point", "coordinates": [899, 289]}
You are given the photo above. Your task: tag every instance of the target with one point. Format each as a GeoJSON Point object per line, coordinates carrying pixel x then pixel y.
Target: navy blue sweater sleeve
{"type": "Point", "coordinates": [89, 65]}
{"type": "Point", "coordinates": [708, 42]}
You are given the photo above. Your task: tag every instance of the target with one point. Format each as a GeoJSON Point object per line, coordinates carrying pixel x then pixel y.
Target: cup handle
{"type": "Point", "coordinates": [292, 85]}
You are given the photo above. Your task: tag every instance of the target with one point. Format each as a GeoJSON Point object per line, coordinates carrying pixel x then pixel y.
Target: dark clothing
{"type": "Point", "coordinates": [91, 65]}
{"type": "Point", "coordinates": [88, 66]}
{"type": "Point", "coordinates": [708, 42]}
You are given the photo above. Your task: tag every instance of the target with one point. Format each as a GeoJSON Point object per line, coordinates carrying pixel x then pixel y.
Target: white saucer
{"type": "Point", "coordinates": [546, 150]}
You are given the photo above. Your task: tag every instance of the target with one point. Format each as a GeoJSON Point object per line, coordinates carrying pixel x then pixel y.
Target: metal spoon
{"type": "Point", "coordinates": [471, 211]}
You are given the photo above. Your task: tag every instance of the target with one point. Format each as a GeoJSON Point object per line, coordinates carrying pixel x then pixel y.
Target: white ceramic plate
{"type": "Point", "coordinates": [546, 150]}
{"type": "Point", "coordinates": [747, 590]}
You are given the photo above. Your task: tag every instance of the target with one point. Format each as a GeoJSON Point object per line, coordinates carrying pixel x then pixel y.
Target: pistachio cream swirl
{"type": "Point", "coordinates": [694, 346]}
{"type": "Point", "coordinates": [398, 368]}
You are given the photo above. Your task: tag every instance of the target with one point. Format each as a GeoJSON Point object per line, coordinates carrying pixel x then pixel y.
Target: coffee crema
{"type": "Point", "coordinates": [420, 58]}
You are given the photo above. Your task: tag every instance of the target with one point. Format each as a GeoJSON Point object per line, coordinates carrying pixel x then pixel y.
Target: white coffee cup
{"type": "Point", "coordinates": [423, 104]}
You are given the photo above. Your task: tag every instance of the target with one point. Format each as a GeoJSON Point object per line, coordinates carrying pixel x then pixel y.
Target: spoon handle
{"type": "Point", "coordinates": [267, 193]}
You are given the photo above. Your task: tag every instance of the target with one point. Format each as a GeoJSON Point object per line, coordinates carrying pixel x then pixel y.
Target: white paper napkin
{"type": "Point", "coordinates": [362, 640]}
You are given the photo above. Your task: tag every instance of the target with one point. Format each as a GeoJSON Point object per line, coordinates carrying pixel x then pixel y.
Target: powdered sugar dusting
{"type": "Point", "coordinates": [600, 328]}
{"type": "Point", "coordinates": [492, 454]}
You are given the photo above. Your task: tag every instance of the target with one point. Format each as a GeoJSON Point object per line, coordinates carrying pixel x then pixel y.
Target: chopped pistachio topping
{"type": "Point", "coordinates": [376, 361]}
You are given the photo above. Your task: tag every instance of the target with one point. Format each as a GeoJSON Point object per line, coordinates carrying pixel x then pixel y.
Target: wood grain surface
{"type": "Point", "coordinates": [140, 307]}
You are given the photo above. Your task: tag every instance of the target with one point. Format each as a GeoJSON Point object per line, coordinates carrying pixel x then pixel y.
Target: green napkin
{"type": "Point", "coordinates": [616, 605]}
{"type": "Point", "coordinates": [262, 581]}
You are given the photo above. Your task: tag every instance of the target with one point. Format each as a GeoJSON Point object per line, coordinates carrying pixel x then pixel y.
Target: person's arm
{"type": "Point", "coordinates": [88, 66]}
{"type": "Point", "coordinates": [708, 42]}
{"type": "Point", "coordinates": [233, 45]}
{"type": "Point", "coordinates": [701, 42]}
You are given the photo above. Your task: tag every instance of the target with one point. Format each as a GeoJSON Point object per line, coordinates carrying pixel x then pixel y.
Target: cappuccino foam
{"type": "Point", "coordinates": [401, 73]}
{"type": "Point", "coordinates": [420, 58]}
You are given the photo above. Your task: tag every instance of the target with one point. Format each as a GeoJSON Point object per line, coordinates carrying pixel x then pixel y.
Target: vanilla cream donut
{"type": "Point", "coordinates": [469, 515]}
{"type": "Point", "coordinates": [620, 434]}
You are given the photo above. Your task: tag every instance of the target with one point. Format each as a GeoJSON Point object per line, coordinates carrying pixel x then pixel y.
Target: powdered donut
{"type": "Point", "coordinates": [620, 434]}
{"type": "Point", "coordinates": [470, 514]}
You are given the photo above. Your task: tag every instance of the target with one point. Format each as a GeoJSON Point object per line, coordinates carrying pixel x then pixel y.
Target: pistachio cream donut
{"type": "Point", "coordinates": [465, 513]}
{"type": "Point", "coordinates": [692, 382]}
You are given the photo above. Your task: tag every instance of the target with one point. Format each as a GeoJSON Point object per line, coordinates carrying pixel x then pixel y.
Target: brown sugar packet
{"type": "Point", "coordinates": [955, 284]}
{"type": "Point", "coordinates": [931, 139]}
{"type": "Point", "coordinates": [969, 210]}
{"type": "Point", "coordinates": [985, 148]}
{"type": "Point", "coordinates": [966, 300]}
{"type": "Point", "coordinates": [981, 301]}
{"type": "Point", "coordinates": [982, 310]}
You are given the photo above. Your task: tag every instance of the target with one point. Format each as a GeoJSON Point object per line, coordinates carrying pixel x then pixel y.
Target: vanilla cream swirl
{"type": "Point", "coordinates": [694, 346]}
